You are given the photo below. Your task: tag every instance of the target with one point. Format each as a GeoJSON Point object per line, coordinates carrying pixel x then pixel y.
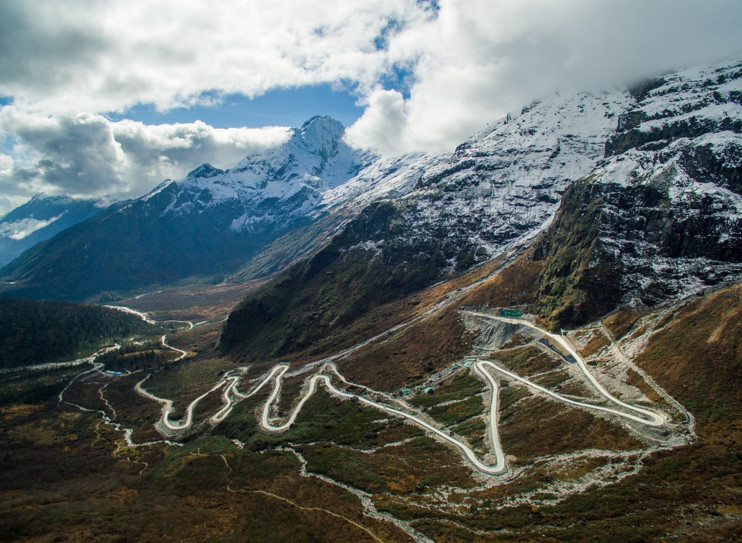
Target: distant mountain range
{"type": "Point", "coordinates": [39, 219]}
{"type": "Point", "coordinates": [658, 202]}
{"type": "Point", "coordinates": [209, 223]}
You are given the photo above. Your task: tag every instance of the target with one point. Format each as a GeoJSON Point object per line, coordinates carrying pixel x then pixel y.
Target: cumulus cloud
{"type": "Point", "coordinates": [479, 59]}
{"type": "Point", "coordinates": [383, 125]}
{"type": "Point", "coordinates": [464, 62]}
{"type": "Point", "coordinates": [88, 155]}
{"type": "Point", "coordinates": [86, 55]}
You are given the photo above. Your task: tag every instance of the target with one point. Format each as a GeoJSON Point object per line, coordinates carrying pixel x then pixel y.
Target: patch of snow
{"type": "Point", "coordinates": [158, 189]}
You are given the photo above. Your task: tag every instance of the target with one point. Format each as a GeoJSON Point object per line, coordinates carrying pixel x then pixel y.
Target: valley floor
{"type": "Point", "coordinates": [609, 432]}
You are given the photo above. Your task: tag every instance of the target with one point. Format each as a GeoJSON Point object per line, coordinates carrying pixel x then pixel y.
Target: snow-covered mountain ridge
{"type": "Point", "coordinates": [665, 203]}
{"type": "Point", "coordinates": [281, 185]}
{"type": "Point", "coordinates": [503, 186]}
{"type": "Point", "coordinates": [644, 200]}
{"type": "Point", "coordinates": [666, 159]}
{"type": "Point", "coordinates": [673, 199]}
{"type": "Point", "coordinates": [496, 190]}
{"type": "Point", "coordinates": [437, 213]}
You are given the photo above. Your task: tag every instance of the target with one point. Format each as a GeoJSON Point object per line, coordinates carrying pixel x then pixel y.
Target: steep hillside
{"type": "Point", "coordinates": [332, 288]}
{"type": "Point", "coordinates": [206, 224]}
{"type": "Point", "coordinates": [661, 216]}
{"type": "Point", "coordinates": [649, 223]}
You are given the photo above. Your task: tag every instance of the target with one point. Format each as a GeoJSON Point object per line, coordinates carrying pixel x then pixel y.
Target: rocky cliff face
{"type": "Point", "coordinates": [500, 188]}
{"type": "Point", "coordinates": [665, 205]}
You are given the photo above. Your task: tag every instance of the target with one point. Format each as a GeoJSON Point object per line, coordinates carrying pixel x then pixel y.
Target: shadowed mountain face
{"type": "Point", "coordinates": [204, 225]}
{"type": "Point", "coordinates": [651, 211]}
{"type": "Point", "coordinates": [39, 219]}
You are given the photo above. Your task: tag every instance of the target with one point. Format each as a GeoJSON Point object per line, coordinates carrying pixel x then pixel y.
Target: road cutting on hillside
{"type": "Point", "coordinates": [328, 372]}
{"type": "Point", "coordinates": [646, 417]}
{"type": "Point", "coordinates": [384, 402]}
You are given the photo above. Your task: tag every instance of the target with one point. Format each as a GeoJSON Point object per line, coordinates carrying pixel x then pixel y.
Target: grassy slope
{"type": "Point", "coordinates": [570, 292]}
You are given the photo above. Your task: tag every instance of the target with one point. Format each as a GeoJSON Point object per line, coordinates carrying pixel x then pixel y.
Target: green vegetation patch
{"type": "Point", "coordinates": [473, 430]}
{"type": "Point", "coordinates": [133, 357]}
{"type": "Point", "coordinates": [322, 419]}
{"type": "Point", "coordinates": [24, 387]}
{"type": "Point", "coordinates": [420, 465]}
{"type": "Point", "coordinates": [459, 411]}
{"type": "Point", "coordinates": [460, 387]}
{"type": "Point", "coordinates": [34, 332]}
{"type": "Point", "coordinates": [509, 395]}
{"type": "Point", "coordinates": [572, 290]}
{"type": "Point", "coordinates": [178, 457]}
{"type": "Point", "coordinates": [526, 361]}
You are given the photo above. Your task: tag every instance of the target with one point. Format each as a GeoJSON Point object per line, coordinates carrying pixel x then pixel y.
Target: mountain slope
{"type": "Point", "coordinates": [495, 193]}
{"type": "Point", "coordinates": [208, 223]}
{"type": "Point", "coordinates": [39, 219]}
{"type": "Point", "coordinates": [651, 222]}
{"type": "Point", "coordinates": [661, 217]}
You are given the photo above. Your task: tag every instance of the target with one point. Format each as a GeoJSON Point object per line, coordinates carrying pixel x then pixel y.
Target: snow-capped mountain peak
{"type": "Point", "coordinates": [205, 170]}
{"type": "Point", "coordinates": [320, 135]}
{"type": "Point", "coordinates": [268, 189]}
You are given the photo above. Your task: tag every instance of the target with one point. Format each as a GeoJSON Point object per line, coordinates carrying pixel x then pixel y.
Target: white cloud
{"type": "Point", "coordinates": [383, 125]}
{"type": "Point", "coordinates": [80, 55]}
{"type": "Point", "coordinates": [480, 59]}
{"type": "Point", "coordinates": [468, 62]}
{"type": "Point", "coordinates": [88, 155]}
{"type": "Point", "coordinates": [6, 162]}
{"type": "Point", "coordinates": [25, 227]}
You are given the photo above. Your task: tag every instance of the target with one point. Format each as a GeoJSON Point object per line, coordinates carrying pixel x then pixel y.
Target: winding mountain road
{"type": "Point", "coordinates": [484, 369]}
{"type": "Point", "coordinates": [498, 468]}
{"type": "Point", "coordinates": [647, 417]}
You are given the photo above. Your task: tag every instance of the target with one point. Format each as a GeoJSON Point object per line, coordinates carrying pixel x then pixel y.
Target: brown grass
{"type": "Point", "coordinates": [412, 354]}
{"type": "Point", "coordinates": [707, 377]}
{"type": "Point", "coordinates": [594, 344]}
{"type": "Point", "coordinates": [516, 284]}
{"type": "Point", "coordinates": [621, 321]}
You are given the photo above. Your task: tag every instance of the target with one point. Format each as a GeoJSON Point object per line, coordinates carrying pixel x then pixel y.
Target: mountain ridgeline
{"type": "Point", "coordinates": [651, 212]}
{"type": "Point", "coordinates": [39, 219]}
{"type": "Point", "coordinates": [207, 224]}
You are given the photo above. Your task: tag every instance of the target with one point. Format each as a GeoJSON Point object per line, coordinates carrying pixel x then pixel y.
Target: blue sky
{"type": "Point", "coordinates": [279, 107]}
{"type": "Point", "coordinates": [110, 98]}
